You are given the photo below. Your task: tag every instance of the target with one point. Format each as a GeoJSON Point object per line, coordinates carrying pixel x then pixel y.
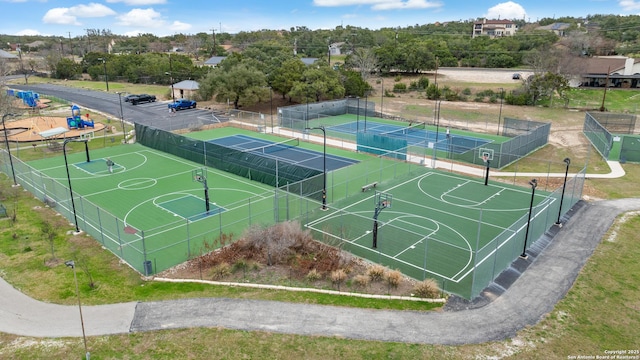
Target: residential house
{"type": "Point", "coordinates": [620, 71]}
{"type": "Point", "coordinates": [494, 28]}
{"type": "Point", "coordinates": [559, 29]}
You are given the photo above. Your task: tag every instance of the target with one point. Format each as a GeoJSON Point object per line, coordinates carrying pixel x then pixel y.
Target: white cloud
{"type": "Point", "coordinates": [381, 4]}
{"type": "Point", "coordinates": [179, 26]}
{"type": "Point", "coordinates": [147, 18]}
{"type": "Point", "coordinates": [138, 2]}
{"type": "Point", "coordinates": [60, 16]}
{"type": "Point", "coordinates": [70, 15]}
{"type": "Point", "coordinates": [507, 10]}
{"type": "Point", "coordinates": [28, 32]}
{"type": "Point", "coordinates": [629, 5]}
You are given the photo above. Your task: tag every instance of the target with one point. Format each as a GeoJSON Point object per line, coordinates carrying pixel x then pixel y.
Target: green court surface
{"type": "Point", "coordinates": [150, 202]}
{"type": "Point", "coordinates": [438, 226]}
{"type": "Point", "coordinates": [363, 122]}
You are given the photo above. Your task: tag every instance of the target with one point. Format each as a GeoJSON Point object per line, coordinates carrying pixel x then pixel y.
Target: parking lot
{"type": "Point", "coordinates": [155, 114]}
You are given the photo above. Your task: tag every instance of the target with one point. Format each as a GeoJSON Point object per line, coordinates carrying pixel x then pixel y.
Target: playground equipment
{"type": "Point", "coordinates": [76, 122]}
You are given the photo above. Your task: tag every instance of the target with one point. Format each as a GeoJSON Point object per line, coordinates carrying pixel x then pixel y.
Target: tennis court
{"type": "Point", "coordinates": [414, 134]}
{"type": "Point", "coordinates": [438, 225]}
{"type": "Point", "coordinates": [287, 151]}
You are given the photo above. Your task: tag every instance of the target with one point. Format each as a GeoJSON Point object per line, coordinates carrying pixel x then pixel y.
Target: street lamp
{"type": "Point", "coordinates": [72, 265]}
{"type": "Point", "coordinates": [66, 165]}
{"type": "Point", "coordinates": [567, 161]}
{"type": "Point", "coordinates": [104, 64]}
{"type": "Point", "coordinates": [124, 135]}
{"type": "Point", "coordinates": [324, 165]}
{"type": "Point", "coordinates": [500, 113]}
{"type": "Point", "coordinates": [534, 184]}
{"type": "Point", "coordinates": [6, 142]}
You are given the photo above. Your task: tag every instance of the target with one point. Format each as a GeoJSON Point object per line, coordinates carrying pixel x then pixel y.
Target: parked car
{"type": "Point", "coordinates": [516, 76]}
{"type": "Point", "coordinates": [142, 98]}
{"type": "Point", "coordinates": [128, 97]}
{"type": "Point", "coordinates": [182, 104]}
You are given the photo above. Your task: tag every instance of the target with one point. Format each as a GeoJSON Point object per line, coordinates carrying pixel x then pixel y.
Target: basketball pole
{"type": "Point", "coordinates": [486, 174]}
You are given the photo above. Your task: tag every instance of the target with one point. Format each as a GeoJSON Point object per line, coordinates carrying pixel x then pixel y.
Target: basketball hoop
{"type": "Point", "coordinates": [485, 158]}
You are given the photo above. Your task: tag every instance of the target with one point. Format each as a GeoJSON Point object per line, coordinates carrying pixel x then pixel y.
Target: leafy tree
{"type": "Point", "coordinates": [284, 78]}
{"type": "Point", "coordinates": [241, 84]}
{"type": "Point", "coordinates": [547, 85]}
{"type": "Point", "coordinates": [320, 83]}
{"type": "Point", "coordinates": [66, 69]}
{"type": "Point", "coordinates": [354, 85]}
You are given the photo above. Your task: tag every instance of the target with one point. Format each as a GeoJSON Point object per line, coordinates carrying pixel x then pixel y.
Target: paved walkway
{"type": "Point", "coordinates": [533, 294]}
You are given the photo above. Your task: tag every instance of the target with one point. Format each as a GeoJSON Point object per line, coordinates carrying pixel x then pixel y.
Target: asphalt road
{"type": "Point", "coordinates": [549, 274]}
{"type": "Point", "coordinates": [154, 114]}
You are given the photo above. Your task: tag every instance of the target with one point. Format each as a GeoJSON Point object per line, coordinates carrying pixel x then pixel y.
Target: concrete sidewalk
{"type": "Point", "coordinates": [533, 294]}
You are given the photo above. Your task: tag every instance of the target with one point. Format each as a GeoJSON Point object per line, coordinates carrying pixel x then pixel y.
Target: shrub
{"type": "Point", "coordinates": [427, 289]}
{"type": "Point", "coordinates": [393, 278]}
{"type": "Point", "coordinates": [313, 275]}
{"type": "Point", "coordinates": [466, 92]}
{"type": "Point", "coordinates": [399, 87]}
{"type": "Point", "coordinates": [338, 277]}
{"type": "Point", "coordinates": [220, 271]}
{"type": "Point", "coordinates": [397, 78]}
{"type": "Point", "coordinates": [376, 272]}
{"type": "Point", "coordinates": [423, 82]}
{"type": "Point", "coordinates": [361, 281]}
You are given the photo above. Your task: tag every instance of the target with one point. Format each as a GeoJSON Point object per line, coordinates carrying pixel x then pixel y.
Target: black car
{"type": "Point", "coordinates": [128, 98]}
{"type": "Point", "coordinates": [516, 76]}
{"type": "Point", "coordinates": [142, 98]}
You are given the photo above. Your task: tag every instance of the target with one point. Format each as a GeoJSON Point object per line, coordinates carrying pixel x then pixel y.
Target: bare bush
{"type": "Point", "coordinates": [427, 289]}
{"type": "Point", "coordinates": [280, 242]}
{"type": "Point", "coordinates": [361, 281]}
{"type": "Point", "coordinates": [393, 278]}
{"type": "Point", "coordinates": [376, 272]}
{"type": "Point", "coordinates": [338, 277]}
{"type": "Point", "coordinates": [220, 271]}
{"type": "Point", "coordinates": [313, 275]}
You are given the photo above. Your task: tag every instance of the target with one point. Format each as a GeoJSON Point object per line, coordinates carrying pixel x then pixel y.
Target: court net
{"type": "Point", "coordinates": [275, 147]}
{"type": "Point", "coordinates": [411, 129]}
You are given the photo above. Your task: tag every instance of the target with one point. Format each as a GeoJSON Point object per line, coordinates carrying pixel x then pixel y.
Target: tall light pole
{"type": "Point", "coordinates": [72, 265]}
{"type": "Point", "coordinates": [104, 64]}
{"type": "Point", "coordinates": [170, 73]}
{"type": "Point", "coordinates": [124, 135]}
{"type": "Point", "coordinates": [534, 184]}
{"type": "Point", "coordinates": [66, 165]}
{"type": "Point", "coordinates": [271, 106]}
{"type": "Point", "coordinates": [324, 165]}
{"type": "Point", "coordinates": [6, 142]}
{"type": "Point", "coordinates": [567, 161]}
{"type": "Point", "coordinates": [500, 113]}
{"type": "Point", "coordinates": [358, 114]}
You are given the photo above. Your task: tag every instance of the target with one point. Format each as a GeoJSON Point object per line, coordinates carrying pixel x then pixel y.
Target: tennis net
{"type": "Point", "coordinates": [411, 129]}
{"type": "Point", "coordinates": [275, 147]}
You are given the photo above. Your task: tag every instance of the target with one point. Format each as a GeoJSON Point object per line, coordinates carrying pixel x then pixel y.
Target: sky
{"type": "Point", "coordinates": [167, 17]}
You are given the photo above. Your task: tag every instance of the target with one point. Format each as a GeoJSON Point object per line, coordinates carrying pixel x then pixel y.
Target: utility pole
{"type": "Point", "coordinates": [215, 52]}
{"type": "Point", "coordinates": [70, 44]}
